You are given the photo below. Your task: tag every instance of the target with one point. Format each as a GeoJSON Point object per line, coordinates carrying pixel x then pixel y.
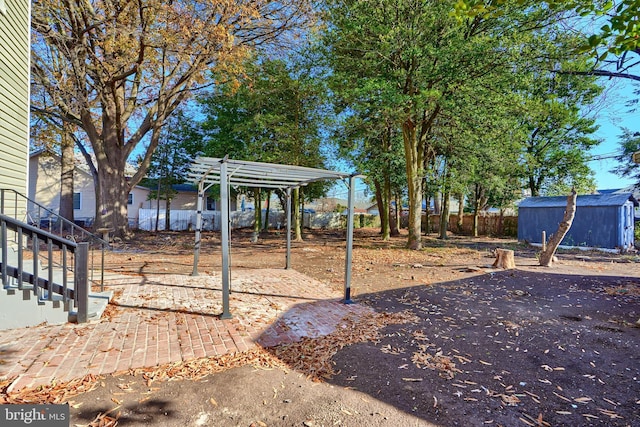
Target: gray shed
{"type": "Point", "coordinates": [601, 221]}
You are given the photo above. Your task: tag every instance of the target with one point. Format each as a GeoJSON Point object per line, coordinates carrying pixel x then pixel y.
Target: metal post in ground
{"type": "Point", "coordinates": [349, 249]}
{"type": "Point", "coordinates": [82, 286]}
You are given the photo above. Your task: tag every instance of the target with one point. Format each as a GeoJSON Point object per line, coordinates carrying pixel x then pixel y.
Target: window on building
{"type": "Point", "coordinates": [77, 201]}
{"type": "Point", "coordinates": [130, 199]}
{"type": "Point", "coordinates": [211, 204]}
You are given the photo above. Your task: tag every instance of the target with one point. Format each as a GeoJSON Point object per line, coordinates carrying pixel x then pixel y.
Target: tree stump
{"type": "Point", "coordinates": [504, 259]}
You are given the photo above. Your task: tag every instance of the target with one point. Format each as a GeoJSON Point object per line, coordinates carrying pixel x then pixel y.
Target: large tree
{"type": "Point", "coordinates": [414, 56]}
{"type": "Point", "coordinates": [275, 115]}
{"type": "Point", "coordinates": [126, 66]}
{"type": "Point", "coordinates": [558, 131]}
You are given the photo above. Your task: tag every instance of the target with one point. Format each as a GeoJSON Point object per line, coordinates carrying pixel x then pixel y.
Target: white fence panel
{"type": "Point", "coordinates": [180, 219]}
{"type": "Point", "coordinates": [186, 220]}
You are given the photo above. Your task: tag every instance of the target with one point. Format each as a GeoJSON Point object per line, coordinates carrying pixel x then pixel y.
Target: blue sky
{"type": "Point", "coordinates": [614, 116]}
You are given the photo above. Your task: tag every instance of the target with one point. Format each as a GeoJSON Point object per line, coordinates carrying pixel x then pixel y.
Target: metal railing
{"type": "Point", "coordinates": [74, 259]}
{"type": "Point", "coordinates": [19, 207]}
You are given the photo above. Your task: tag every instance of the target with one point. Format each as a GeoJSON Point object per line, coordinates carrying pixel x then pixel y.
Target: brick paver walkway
{"type": "Point", "coordinates": [172, 318]}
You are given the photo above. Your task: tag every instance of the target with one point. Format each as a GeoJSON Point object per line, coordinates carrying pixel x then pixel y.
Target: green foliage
{"type": "Point", "coordinates": [170, 161]}
{"type": "Point", "coordinates": [620, 34]}
{"type": "Point", "coordinates": [478, 97]}
{"type": "Point", "coordinates": [629, 143]}
{"type": "Point", "coordinates": [274, 115]}
{"type": "Point", "coordinates": [556, 134]}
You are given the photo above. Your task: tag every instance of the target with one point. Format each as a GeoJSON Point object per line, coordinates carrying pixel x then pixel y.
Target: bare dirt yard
{"type": "Point", "coordinates": [474, 346]}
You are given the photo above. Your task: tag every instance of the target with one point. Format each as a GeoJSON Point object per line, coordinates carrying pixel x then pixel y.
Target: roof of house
{"type": "Point", "coordinates": [591, 200]}
{"type": "Point", "coordinates": [608, 190]}
{"type": "Point", "coordinates": [186, 188]}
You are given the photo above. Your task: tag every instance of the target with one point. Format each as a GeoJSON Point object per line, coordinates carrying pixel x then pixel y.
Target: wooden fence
{"type": "Point", "coordinates": [488, 224]}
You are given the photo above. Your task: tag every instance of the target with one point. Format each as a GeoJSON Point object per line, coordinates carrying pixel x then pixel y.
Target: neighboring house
{"type": "Point", "coordinates": [601, 220]}
{"type": "Point", "coordinates": [373, 210]}
{"type": "Point", "coordinates": [14, 98]}
{"type": "Point", "coordinates": [44, 188]}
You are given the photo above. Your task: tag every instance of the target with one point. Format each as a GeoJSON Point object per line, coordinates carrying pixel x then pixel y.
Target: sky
{"type": "Point", "coordinates": [614, 115]}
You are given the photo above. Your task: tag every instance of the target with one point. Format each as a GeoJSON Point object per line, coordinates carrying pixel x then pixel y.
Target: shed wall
{"type": "Point", "coordinates": [598, 226]}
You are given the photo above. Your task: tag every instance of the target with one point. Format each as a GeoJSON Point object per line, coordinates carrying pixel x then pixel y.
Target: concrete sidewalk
{"type": "Point", "coordinates": [171, 318]}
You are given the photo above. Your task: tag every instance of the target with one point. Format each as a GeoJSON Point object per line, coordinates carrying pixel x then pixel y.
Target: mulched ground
{"type": "Point", "coordinates": [454, 344]}
{"type": "Point", "coordinates": [509, 348]}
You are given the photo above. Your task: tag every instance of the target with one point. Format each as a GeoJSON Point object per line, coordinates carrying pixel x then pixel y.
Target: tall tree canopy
{"type": "Point", "coordinates": [118, 70]}
{"type": "Point", "coordinates": [415, 60]}
{"type": "Point", "coordinates": [275, 115]}
{"type": "Point", "coordinates": [616, 32]}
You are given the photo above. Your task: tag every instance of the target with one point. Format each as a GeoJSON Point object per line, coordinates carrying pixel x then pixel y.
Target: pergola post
{"type": "Point", "coordinates": [224, 231]}
{"type": "Point", "coordinates": [349, 246]}
{"type": "Point", "coordinates": [288, 260]}
{"type": "Point", "coordinates": [199, 203]}
{"type": "Point", "coordinates": [208, 171]}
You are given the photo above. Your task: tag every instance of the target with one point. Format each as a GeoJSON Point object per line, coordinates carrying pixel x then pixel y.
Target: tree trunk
{"type": "Point", "coordinates": [546, 257]}
{"type": "Point", "coordinates": [478, 195]}
{"type": "Point", "coordinates": [427, 219]}
{"type": "Point", "coordinates": [504, 259]}
{"type": "Point", "coordinates": [382, 201]}
{"type": "Point", "coordinates": [167, 213]}
{"type": "Point", "coordinates": [257, 215]}
{"type": "Point", "coordinates": [437, 208]}
{"type": "Point", "coordinates": [475, 220]}
{"type": "Point", "coordinates": [112, 201]}
{"type": "Point", "coordinates": [444, 216]}
{"type": "Point", "coordinates": [67, 167]}
{"type": "Point", "coordinates": [295, 205]}
{"type": "Point", "coordinates": [460, 219]}
{"type": "Point", "coordinates": [266, 213]}
{"type": "Point", "coordinates": [157, 205]}
{"type": "Point", "coordinates": [413, 155]}
{"type": "Point", "coordinates": [394, 218]}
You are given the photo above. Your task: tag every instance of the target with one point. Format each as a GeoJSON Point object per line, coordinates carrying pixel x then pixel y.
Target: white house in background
{"type": "Point", "coordinates": [44, 189]}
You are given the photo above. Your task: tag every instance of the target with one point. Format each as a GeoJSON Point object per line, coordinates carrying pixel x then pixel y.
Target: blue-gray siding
{"type": "Point", "coordinates": [601, 221]}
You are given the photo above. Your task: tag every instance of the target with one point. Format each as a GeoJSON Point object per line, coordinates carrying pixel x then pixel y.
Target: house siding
{"type": "Point", "coordinates": [44, 186]}
{"type": "Point", "coordinates": [14, 98]}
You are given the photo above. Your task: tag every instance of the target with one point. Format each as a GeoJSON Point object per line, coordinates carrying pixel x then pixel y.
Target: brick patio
{"type": "Point", "coordinates": [171, 318]}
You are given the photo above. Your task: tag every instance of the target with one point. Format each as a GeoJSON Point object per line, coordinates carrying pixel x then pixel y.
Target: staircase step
{"type": "Point", "coordinates": [98, 302]}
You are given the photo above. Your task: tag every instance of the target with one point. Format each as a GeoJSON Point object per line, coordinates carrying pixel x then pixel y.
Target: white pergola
{"type": "Point", "coordinates": [207, 171]}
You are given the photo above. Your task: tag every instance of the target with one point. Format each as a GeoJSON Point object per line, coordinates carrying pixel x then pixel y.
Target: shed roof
{"type": "Point", "coordinates": [256, 174]}
{"type": "Point", "coordinates": [591, 200]}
